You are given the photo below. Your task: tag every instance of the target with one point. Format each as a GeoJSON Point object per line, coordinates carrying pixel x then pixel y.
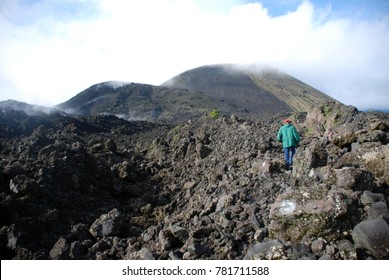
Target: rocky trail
{"type": "Point", "coordinates": [209, 188]}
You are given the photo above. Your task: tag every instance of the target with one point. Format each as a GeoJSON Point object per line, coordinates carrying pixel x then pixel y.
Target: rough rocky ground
{"type": "Point", "coordinates": [209, 188]}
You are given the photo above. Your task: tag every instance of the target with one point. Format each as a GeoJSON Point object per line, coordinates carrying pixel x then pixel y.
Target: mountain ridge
{"type": "Point", "coordinates": [263, 89]}
{"type": "Point", "coordinates": [135, 101]}
{"type": "Point", "coordinates": [224, 87]}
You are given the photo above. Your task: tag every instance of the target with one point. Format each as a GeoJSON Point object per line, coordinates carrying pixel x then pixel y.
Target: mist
{"type": "Point", "coordinates": [28, 109]}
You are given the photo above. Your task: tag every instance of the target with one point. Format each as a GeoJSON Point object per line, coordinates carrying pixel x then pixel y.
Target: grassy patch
{"type": "Point", "coordinates": [174, 134]}
{"type": "Point", "coordinates": [326, 109]}
{"type": "Point", "coordinates": [214, 114]}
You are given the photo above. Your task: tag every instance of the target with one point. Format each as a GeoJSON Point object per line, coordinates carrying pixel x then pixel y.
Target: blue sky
{"type": "Point", "coordinates": [52, 49]}
{"type": "Point", "coordinates": [350, 8]}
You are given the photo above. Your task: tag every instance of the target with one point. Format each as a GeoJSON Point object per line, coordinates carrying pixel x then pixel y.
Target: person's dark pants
{"type": "Point", "coordinates": [289, 153]}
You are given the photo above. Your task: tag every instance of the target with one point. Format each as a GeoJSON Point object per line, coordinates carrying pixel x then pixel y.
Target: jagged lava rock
{"type": "Point", "coordinates": [207, 188]}
{"type": "Point", "coordinates": [373, 235]}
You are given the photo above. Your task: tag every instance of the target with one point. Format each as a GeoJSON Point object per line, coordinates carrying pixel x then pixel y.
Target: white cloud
{"type": "Point", "coordinates": [48, 61]}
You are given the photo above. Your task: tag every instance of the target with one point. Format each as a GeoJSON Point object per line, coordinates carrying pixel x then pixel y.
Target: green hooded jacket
{"type": "Point", "coordinates": [288, 135]}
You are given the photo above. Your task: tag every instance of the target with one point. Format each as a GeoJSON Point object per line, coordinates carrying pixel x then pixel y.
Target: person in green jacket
{"type": "Point", "coordinates": [290, 138]}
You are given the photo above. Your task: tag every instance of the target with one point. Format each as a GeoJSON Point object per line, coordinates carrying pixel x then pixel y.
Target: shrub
{"type": "Point", "coordinates": [326, 110]}
{"type": "Point", "coordinates": [214, 113]}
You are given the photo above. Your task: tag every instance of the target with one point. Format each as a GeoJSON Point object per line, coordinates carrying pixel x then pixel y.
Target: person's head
{"type": "Point", "coordinates": [287, 121]}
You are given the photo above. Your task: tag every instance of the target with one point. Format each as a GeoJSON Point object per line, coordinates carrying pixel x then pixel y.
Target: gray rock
{"type": "Point", "coordinates": [314, 155]}
{"type": "Point", "coordinates": [197, 249]}
{"type": "Point", "coordinates": [202, 189]}
{"type": "Point", "coordinates": [180, 233]}
{"type": "Point", "coordinates": [373, 235]}
{"type": "Point", "coordinates": [60, 250]}
{"type": "Point", "coordinates": [377, 161]}
{"type": "Point", "coordinates": [175, 255]}
{"type": "Point", "coordinates": [325, 258]}
{"type": "Point", "coordinates": [379, 125]}
{"type": "Point", "coordinates": [261, 165]}
{"type": "Point", "coordinates": [345, 136]}
{"type": "Point", "coordinates": [270, 250]}
{"type": "Point", "coordinates": [317, 246]}
{"type": "Point", "coordinates": [377, 210]}
{"type": "Point", "coordinates": [372, 136]}
{"type": "Point", "coordinates": [309, 211]}
{"type": "Point", "coordinates": [347, 250]}
{"type": "Point", "coordinates": [368, 198]}
{"type": "Point", "coordinates": [299, 252]}
{"type": "Point", "coordinates": [353, 178]}
{"type": "Point", "coordinates": [108, 224]}
{"type": "Point", "coordinates": [143, 254]}
{"type": "Point", "coordinates": [12, 237]}
{"type": "Point", "coordinates": [330, 250]}
{"type": "Point", "coordinates": [150, 234]}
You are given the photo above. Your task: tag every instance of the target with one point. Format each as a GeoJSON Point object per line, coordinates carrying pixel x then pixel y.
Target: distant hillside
{"type": "Point", "coordinates": [227, 88]}
{"type": "Point", "coordinates": [134, 101]}
{"type": "Point", "coordinates": [258, 91]}
{"type": "Point", "coordinates": [29, 109]}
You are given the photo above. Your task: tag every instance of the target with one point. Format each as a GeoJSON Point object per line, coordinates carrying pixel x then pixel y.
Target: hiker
{"type": "Point", "coordinates": [290, 138]}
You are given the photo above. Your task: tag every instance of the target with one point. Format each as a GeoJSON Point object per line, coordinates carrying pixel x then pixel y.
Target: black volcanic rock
{"type": "Point", "coordinates": [100, 187]}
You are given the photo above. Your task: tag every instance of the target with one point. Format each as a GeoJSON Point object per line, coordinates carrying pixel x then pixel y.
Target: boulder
{"type": "Point", "coordinates": [380, 125]}
{"type": "Point", "coordinates": [377, 162]}
{"type": "Point", "coordinates": [368, 198]}
{"type": "Point", "coordinates": [372, 136]}
{"type": "Point", "coordinates": [317, 246]}
{"type": "Point", "coordinates": [270, 250]}
{"type": "Point", "coordinates": [314, 155]}
{"type": "Point", "coordinates": [378, 209]}
{"type": "Point", "coordinates": [265, 166]}
{"type": "Point", "coordinates": [346, 250]}
{"type": "Point", "coordinates": [60, 250]}
{"type": "Point", "coordinates": [345, 136]}
{"type": "Point", "coordinates": [373, 235]}
{"type": "Point", "coordinates": [353, 178]}
{"type": "Point", "coordinates": [325, 119]}
{"type": "Point", "coordinates": [107, 225]}
{"type": "Point", "coordinates": [299, 214]}
{"type": "Point", "coordinates": [143, 254]}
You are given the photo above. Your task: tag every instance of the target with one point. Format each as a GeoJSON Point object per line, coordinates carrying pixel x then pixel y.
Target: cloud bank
{"type": "Point", "coordinates": [51, 50]}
